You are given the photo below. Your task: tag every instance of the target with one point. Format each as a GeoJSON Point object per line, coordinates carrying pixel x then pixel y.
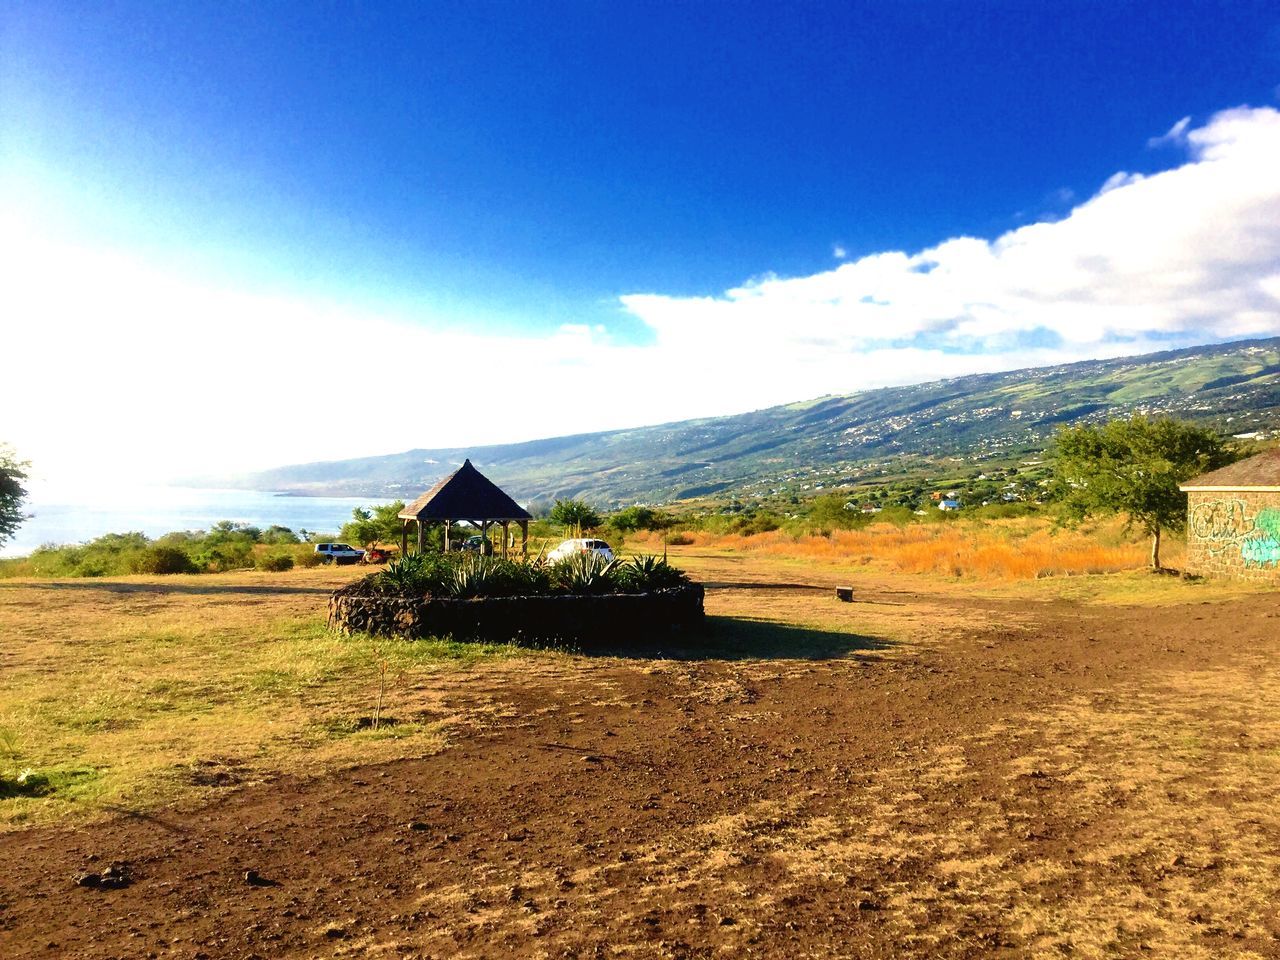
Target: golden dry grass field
{"type": "Point", "coordinates": [974, 766]}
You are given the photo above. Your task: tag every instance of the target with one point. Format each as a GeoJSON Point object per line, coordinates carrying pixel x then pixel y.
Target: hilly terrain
{"type": "Point", "coordinates": [836, 440]}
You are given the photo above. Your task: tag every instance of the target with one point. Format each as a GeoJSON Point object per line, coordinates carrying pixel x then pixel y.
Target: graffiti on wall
{"type": "Point", "coordinates": [1225, 526]}
{"type": "Point", "coordinates": [1221, 525]}
{"type": "Point", "coordinates": [1263, 548]}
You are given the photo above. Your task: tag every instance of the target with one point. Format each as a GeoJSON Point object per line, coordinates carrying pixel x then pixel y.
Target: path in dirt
{"type": "Point", "coordinates": [1016, 788]}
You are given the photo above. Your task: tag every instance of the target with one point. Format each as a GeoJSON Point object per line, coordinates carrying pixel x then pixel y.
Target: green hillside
{"type": "Point", "coordinates": [931, 427]}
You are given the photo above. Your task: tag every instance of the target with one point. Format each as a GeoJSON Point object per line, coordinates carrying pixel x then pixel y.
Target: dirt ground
{"type": "Point", "coordinates": [940, 775]}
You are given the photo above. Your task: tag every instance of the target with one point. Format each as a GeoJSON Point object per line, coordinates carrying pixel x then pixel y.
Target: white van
{"type": "Point", "coordinates": [583, 545]}
{"type": "Point", "coordinates": [339, 553]}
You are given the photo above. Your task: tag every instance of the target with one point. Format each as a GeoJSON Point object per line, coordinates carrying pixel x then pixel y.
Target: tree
{"type": "Point", "coordinates": [575, 514]}
{"type": "Point", "coordinates": [834, 510]}
{"type": "Point", "coordinates": [374, 524]}
{"type": "Point", "coordinates": [643, 518]}
{"type": "Point", "coordinates": [360, 527]}
{"type": "Point", "coordinates": [1133, 467]}
{"type": "Point", "coordinates": [387, 519]}
{"type": "Point", "coordinates": [12, 492]}
{"type": "Point", "coordinates": [276, 535]}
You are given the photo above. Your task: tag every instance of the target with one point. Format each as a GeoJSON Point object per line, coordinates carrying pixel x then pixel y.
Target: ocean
{"type": "Point", "coordinates": [69, 515]}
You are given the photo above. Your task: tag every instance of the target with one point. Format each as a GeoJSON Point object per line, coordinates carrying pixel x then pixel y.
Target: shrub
{"type": "Point", "coordinates": [226, 555]}
{"type": "Point", "coordinates": [307, 557]}
{"type": "Point", "coordinates": [157, 560]}
{"type": "Point", "coordinates": [275, 562]}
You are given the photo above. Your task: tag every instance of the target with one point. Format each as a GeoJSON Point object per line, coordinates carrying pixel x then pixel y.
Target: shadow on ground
{"type": "Point", "coordinates": [746, 638]}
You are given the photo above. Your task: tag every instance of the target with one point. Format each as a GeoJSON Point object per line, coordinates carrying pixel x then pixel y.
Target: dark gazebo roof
{"type": "Point", "coordinates": [466, 494]}
{"type": "Point", "coordinates": [1259, 472]}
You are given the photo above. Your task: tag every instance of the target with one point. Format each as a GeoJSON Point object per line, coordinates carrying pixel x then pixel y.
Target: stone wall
{"type": "Point", "coordinates": [1234, 534]}
{"type": "Point", "coordinates": [585, 620]}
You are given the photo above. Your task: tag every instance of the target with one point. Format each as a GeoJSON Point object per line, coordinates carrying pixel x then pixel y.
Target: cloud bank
{"type": "Point", "coordinates": [128, 370]}
{"type": "Point", "coordinates": [1188, 255]}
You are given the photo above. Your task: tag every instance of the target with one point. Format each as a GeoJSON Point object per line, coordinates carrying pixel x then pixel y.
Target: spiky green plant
{"type": "Point", "coordinates": [585, 573]}
{"type": "Point", "coordinates": [641, 574]}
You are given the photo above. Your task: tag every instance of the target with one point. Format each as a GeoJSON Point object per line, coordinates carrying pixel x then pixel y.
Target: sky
{"type": "Point", "coordinates": [240, 235]}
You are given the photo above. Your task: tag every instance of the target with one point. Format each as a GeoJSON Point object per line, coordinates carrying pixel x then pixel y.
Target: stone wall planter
{"type": "Point", "coordinates": [584, 620]}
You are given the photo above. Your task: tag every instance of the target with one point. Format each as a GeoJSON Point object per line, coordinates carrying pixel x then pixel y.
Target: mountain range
{"type": "Point", "coordinates": [835, 439]}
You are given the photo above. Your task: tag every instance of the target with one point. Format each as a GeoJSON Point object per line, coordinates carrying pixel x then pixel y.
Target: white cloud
{"type": "Point", "coordinates": [130, 369]}
{"type": "Point", "coordinates": [839, 252]}
{"type": "Point", "coordinates": [1173, 135]}
{"type": "Point", "coordinates": [1187, 255]}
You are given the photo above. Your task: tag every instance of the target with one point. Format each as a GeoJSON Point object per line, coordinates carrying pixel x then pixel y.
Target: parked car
{"type": "Point", "coordinates": [581, 545]}
{"type": "Point", "coordinates": [478, 544]}
{"type": "Point", "coordinates": [339, 553]}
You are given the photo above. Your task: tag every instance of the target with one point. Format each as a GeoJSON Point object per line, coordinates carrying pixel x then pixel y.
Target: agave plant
{"type": "Point", "coordinates": [585, 573]}
{"type": "Point", "coordinates": [403, 573]}
{"type": "Point", "coordinates": [473, 576]}
{"type": "Point", "coordinates": [645, 573]}
{"type": "Point", "coordinates": [414, 573]}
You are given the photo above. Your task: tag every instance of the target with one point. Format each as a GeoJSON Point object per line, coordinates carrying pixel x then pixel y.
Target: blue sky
{"type": "Point", "coordinates": [616, 186]}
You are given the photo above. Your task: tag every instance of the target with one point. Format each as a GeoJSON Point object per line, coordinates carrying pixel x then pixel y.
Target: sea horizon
{"type": "Point", "coordinates": [69, 514]}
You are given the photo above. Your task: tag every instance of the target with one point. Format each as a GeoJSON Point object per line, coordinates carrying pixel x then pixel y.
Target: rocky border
{"type": "Point", "coordinates": [585, 620]}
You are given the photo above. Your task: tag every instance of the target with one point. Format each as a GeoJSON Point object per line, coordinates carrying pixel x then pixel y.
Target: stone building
{"type": "Point", "coordinates": [1233, 520]}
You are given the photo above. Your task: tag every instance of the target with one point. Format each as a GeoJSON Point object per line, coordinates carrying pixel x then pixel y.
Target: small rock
{"type": "Point", "coordinates": [114, 877]}
{"type": "Point", "coordinates": [418, 825]}
{"type": "Point", "coordinates": [727, 921]}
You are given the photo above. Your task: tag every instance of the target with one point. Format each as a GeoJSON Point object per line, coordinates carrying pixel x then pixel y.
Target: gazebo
{"type": "Point", "coordinates": [466, 494]}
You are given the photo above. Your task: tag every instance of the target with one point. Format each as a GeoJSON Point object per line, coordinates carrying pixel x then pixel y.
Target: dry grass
{"type": "Point", "coordinates": [131, 692]}
{"type": "Point", "coordinates": [1018, 549]}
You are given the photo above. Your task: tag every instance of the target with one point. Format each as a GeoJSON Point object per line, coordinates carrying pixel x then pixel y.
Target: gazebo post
{"type": "Point", "coordinates": [404, 537]}
{"type": "Point", "coordinates": [484, 535]}
{"type": "Point", "coordinates": [506, 538]}
{"type": "Point", "coordinates": [447, 525]}
{"type": "Point", "coordinates": [524, 538]}
{"type": "Point", "coordinates": [422, 537]}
